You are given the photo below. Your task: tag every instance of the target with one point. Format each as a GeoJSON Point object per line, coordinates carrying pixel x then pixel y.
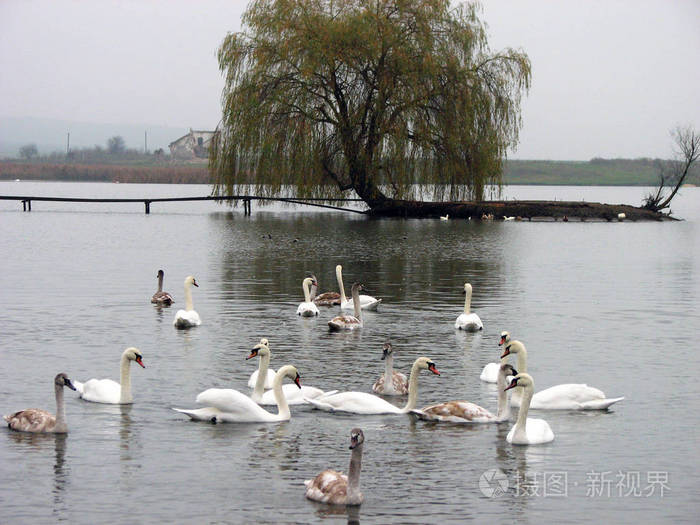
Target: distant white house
{"type": "Point", "coordinates": [192, 146]}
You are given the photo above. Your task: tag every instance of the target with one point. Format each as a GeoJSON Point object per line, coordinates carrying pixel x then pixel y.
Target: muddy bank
{"type": "Point", "coordinates": [518, 210]}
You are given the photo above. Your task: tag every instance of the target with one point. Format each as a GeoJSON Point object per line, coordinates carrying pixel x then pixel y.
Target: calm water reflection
{"type": "Point", "coordinates": [612, 305]}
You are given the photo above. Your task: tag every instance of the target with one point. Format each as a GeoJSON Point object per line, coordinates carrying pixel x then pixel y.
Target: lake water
{"type": "Point", "coordinates": [614, 305]}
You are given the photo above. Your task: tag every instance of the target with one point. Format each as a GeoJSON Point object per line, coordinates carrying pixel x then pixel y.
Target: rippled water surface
{"type": "Point", "coordinates": [614, 305]}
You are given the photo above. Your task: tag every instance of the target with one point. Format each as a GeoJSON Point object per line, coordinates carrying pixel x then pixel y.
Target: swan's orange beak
{"type": "Point", "coordinates": [139, 361]}
{"type": "Point", "coordinates": [503, 340]}
{"type": "Point", "coordinates": [432, 368]}
{"type": "Point", "coordinates": [513, 384]}
{"type": "Point", "coordinates": [505, 353]}
{"type": "Point", "coordinates": [253, 353]}
{"type": "Point", "coordinates": [297, 380]}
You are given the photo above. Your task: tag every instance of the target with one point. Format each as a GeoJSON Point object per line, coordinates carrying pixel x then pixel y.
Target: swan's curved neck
{"type": "Point", "coordinates": [503, 400]}
{"type": "Point", "coordinates": [412, 389]}
{"type": "Point", "coordinates": [314, 291]}
{"type": "Point", "coordinates": [467, 300]}
{"type": "Point", "coordinates": [307, 292]}
{"type": "Point", "coordinates": [262, 376]}
{"type": "Point", "coordinates": [356, 304]}
{"type": "Point", "coordinates": [283, 407]}
{"type": "Point", "coordinates": [339, 278]}
{"type": "Point", "coordinates": [388, 371]}
{"type": "Point", "coordinates": [522, 360]}
{"type": "Point", "coordinates": [188, 297]}
{"type": "Point", "coordinates": [521, 423]}
{"type": "Point", "coordinates": [354, 494]}
{"type": "Point", "coordinates": [160, 282]}
{"type": "Point", "coordinates": [60, 425]}
{"type": "Point", "coordinates": [125, 380]}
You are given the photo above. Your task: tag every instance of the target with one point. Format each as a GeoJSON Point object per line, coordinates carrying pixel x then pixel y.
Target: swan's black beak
{"type": "Point", "coordinates": [253, 353]}
{"type": "Point", "coordinates": [513, 384]}
{"type": "Point", "coordinates": [195, 283]}
{"type": "Point", "coordinates": [385, 353]}
{"type": "Point", "coordinates": [297, 380]}
{"type": "Point", "coordinates": [431, 367]}
{"type": "Point", "coordinates": [67, 383]}
{"type": "Point", "coordinates": [353, 442]}
{"type": "Point", "coordinates": [139, 361]}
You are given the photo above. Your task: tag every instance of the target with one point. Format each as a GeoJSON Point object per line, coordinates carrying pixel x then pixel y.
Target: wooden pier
{"type": "Point", "coordinates": [247, 199]}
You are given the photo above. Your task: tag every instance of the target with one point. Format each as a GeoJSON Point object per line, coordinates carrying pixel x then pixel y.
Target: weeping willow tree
{"type": "Point", "coordinates": [383, 97]}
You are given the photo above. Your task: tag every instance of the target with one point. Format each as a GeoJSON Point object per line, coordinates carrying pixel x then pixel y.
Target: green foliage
{"type": "Point", "coordinates": [377, 96]}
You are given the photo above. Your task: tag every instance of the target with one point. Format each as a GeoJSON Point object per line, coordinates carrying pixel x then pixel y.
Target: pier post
{"type": "Point", "coordinates": [246, 206]}
{"type": "Point", "coordinates": [148, 206]}
{"type": "Point", "coordinates": [26, 205]}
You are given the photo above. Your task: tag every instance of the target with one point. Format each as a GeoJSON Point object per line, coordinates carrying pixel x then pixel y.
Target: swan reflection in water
{"type": "Point", "coordinates": [328, 511]}
{"type": "Point", "coordinates": [40, 444]}
{"type": "Point", "coordinates": [61, 475]}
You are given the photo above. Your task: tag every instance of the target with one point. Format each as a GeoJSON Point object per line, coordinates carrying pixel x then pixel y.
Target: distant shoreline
{"type": "Point", "coordinates": [597, 172]}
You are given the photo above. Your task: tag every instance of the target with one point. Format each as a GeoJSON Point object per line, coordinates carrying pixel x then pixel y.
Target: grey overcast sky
{"type": "Point", "coordinates": [610, 77]}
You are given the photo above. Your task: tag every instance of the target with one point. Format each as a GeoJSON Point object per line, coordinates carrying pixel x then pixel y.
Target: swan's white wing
{"type": "Point", "coordinates": [490, 373]}
{"type": "Point", "coordinates": [186, 319]}
{"type": "Point", "coordinates": [200, 414]}
{"type": "Point", "coordinates": [307, 309]}
{"type": "Point", "coordinates": [269, 380]}
{"type": "Point", "coordinates": [367, 302]}
{"type": "Point", "coordinates": [538, 431]}
{"type": "Point", "coordinates": [569, 396]}
{"type": "Point", "coordinates": [600, 404]}
{"type": "Point", "coordinates": [101, 391]}
{"type": "Point", "coordinates": [354, 402]}
{"type": "Point", "coordinates": [234, 406]}
{"type": "Point", "coordinates": [469, 322]}
{"type": "Point", "coordinates": [293, 394]}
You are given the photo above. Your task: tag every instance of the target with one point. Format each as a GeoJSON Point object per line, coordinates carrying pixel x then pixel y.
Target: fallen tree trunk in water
{"type": "Point", "coordinates": [519, 210]}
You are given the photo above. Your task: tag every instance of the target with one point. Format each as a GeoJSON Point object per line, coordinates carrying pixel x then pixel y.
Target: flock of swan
{"type": "Point", "coordinates": [226, 405]}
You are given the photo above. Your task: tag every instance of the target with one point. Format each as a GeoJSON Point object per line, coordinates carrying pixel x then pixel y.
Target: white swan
{"type": "Point", "coordinates": [567, 396]}
{"type": "Point", "coordinates": [349, 322]}
{"type": "Point", "coordinates": [398, 383]}
{"type": "Point", "coordinates": [527, 431]}
{"type": "Point", "coordinates": [263, 362]}
{"type": "Point", "coordinates": [445, 217]}
{"type": "Point", "coordinates": [466, 412]}
{"type": "Point", "coordinates": [40, 421]}
{"type": "Point", "coordinates": [307, 308]}
{"type": "Point", "coordinates": [333, 487]}
{"type": "Point", "coordinates": [188, 317]}
{"type": "Point", "coordinates": [293, 395]}
{"type": "Point", "coordinates": [364, 403]}
{"type": "Point", "coordinates": [324, 299]}
{"type": "Point", "coordinates": [489, 374]}
{"type": "Point", "coordinates": [161, 297]}
{"type": "Point", "coordinates": [108, 391]}
{"type": "Point", "coordinates": [230, 406]}
{"type": "Point", "coordinates": [367, 302]}
{"type": "Point", "coordinates": [468, 321]}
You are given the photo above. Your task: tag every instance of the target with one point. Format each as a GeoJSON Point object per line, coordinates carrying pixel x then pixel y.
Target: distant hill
{"type": "Point", "coordinates": [51, 135]}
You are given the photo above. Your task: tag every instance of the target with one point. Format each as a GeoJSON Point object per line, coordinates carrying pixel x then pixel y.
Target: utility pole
{"type": "Point", "coordinates": [145, 142]}
{"type": "Point", "coordinates": [68, 144]}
